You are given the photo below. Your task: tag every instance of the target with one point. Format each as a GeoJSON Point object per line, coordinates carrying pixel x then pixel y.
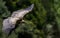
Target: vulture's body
{"type": "Point", "coordinates": [9, 23]}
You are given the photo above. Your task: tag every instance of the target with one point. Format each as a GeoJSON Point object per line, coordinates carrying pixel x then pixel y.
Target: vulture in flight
{"type": "Point", "coordinates": [10, 22]}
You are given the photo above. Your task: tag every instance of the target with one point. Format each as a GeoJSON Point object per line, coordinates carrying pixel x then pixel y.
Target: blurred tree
{"type": "Point", "coordinates": [57, 11]}
{"type": "Point", "coordinates": [40, 23]}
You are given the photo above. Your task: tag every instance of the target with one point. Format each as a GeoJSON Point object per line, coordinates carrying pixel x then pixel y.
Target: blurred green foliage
{"type": "Point", "coordinates": [42, 22]}
{"type": "Point", "coordinates": [57, 8]}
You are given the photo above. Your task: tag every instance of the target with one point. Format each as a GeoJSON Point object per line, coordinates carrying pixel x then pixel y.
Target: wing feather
{"type": "Point", "coordinates": [21, 13]}
{"type": "Point", "coordinates": [11, 21]}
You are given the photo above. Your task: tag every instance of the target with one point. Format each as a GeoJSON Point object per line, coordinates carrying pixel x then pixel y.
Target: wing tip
{"type": "Point", "coordinates": [30, 7]}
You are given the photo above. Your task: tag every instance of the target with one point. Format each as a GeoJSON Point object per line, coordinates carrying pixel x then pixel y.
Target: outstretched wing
{"type": "Point", "coordinates": [21, 13]}
{"type": "Point", "coordinates": [10, 22]}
